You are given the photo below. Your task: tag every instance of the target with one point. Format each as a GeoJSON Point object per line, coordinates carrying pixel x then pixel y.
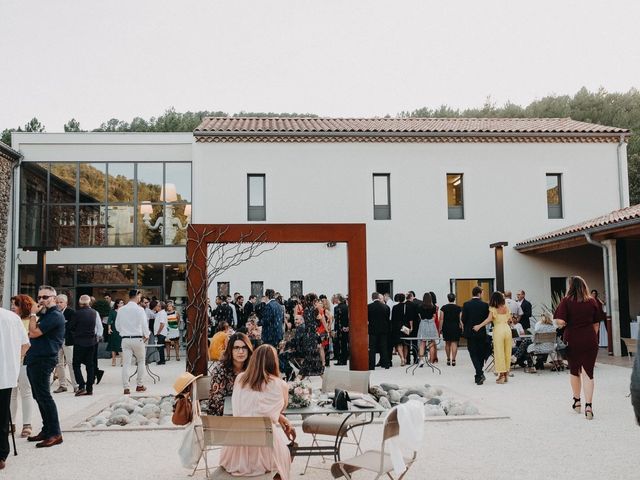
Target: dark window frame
{"type": "Point", "coordinates": [555, 212]}
{"type": "Point", "coordinates": [257, 213]}
{"type": "Point", "coordinates": [382, 212]}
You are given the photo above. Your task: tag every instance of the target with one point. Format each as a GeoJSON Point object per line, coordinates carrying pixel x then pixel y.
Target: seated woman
{"type": "Point", "coordinates": [545, 325]}
{"type": "Point", "coordinates": [223, 373]}
{"type": "Point", "coordinates": [260, 392]}
{"type": "Point", "coordinates": [219, 341]}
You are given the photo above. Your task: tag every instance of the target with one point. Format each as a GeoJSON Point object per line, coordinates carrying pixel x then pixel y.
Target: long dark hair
{"type": "Point", "coordinates": [262, 366]}
{"type": "Point", "coordinates": [227, 355]}
{"type": "Point", "coordinates": [497, 300]}
{"type": "Point", "coordinates": [578, 289]}
{"type": "Point", "coordinates": [427, 300]}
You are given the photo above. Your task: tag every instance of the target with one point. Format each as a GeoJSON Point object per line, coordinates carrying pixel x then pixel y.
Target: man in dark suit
{"type": "Point", "coordinates": [525, 319]}
{"type": "Point", "coordinates": [474, 312]}
{"type": "Point", "coordinates": [341, 319]}
{"type": "Point", "coordinates": [379, 326]}
{"type": "Point", "coordinates": [414, 320]}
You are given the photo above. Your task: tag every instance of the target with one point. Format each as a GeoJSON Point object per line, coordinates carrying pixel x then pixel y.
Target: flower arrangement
{"type": "Point", "coordinates": [299, 394]}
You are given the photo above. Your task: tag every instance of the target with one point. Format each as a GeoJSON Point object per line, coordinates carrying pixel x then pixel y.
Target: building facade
{"type": "Point", "coordinates": [433, 193]}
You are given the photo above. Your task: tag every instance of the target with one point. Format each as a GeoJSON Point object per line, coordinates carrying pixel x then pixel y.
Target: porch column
{"type": "Point", "coordinates": [613, 296]}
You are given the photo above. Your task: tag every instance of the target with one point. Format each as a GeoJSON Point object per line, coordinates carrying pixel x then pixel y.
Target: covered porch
{"type": "Point", "coordinates": [617, 237]}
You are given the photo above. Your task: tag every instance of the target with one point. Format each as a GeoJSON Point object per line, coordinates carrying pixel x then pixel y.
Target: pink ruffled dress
{"type": "Point", "coordinates": [251, 461]}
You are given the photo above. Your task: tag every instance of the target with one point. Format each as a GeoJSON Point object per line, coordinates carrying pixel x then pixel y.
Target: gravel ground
{"type": "Point", "coordinates": [541, 438]}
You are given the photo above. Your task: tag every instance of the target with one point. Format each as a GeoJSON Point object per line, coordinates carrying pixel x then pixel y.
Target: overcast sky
{"type": "Point", "coordinates": [95, 60]}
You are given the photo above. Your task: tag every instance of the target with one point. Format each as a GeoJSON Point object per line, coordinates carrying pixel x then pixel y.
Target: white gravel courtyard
{"type": "Point", "coordinates": [535, 434]}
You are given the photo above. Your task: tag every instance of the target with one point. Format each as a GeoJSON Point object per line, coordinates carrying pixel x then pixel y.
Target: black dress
{"type": "Point", "coordinates": [451, 322]}
{"type": "Point", "coordinates": [398, 320]}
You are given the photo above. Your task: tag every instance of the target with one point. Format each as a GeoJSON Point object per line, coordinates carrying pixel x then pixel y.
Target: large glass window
{"type": "Point", "coordinates": [554, 195]}
{"type": "Point", "coordinates": [104, 204]}
{"type": "Point", "coordinates": [256, 198]}
{"type": "Point", "coordinates": [381, 196]}
{"type": "Point", "coordinates": [455, 203]}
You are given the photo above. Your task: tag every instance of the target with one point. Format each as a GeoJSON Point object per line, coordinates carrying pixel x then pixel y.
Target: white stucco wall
{"type": "Point", "coordinates": [420, 249]}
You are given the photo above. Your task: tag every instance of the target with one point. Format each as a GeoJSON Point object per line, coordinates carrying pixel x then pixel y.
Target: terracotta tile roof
{"type": "Point", "coordinates": [377, 126]}
{"type": "Point", "coordinates": [612, 220]}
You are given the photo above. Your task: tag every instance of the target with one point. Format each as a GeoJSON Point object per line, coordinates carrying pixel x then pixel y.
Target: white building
{"type": "Point", "coordinates": [434, 194]}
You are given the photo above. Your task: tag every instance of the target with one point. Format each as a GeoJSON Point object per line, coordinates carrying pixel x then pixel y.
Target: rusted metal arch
{"type": "Point", "coordinates": [199, 236]}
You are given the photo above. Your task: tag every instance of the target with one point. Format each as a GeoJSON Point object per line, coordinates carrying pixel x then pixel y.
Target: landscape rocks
{"type": "Point", "coordinates": [436, 404]}
{"type": "Point", "coordinates": [148, 412]}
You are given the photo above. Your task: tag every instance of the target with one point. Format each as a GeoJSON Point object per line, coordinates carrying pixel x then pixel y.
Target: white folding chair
{"type": "Point", "coordinates": [378, 461]}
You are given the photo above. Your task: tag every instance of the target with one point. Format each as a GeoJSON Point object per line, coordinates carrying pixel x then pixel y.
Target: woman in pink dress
{"type": "Point", "coordinates": [260, 392]}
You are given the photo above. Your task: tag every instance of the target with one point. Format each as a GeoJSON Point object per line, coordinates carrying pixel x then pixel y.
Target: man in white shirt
{"type": "Point", "coordinates": [133, 326]}
{"type": "Point", "coordinates": [14, 342]}
{"type": "Point", "coordinates": [160, 326]}
{"type": "Point", "coordinates": [516, 309]}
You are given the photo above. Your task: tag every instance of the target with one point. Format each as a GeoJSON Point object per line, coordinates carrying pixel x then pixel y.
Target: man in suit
{"type": "Point", "coordinates": [65, 356]}
{"type": "Point", "coordinates": [525, 319]}
{"type": "Point", "coordinates": [379, 326]}
{"type": "Point", "coordinates": [474, 312]}
{"type": "Point", "coordinates": [412, 304]}
{"type": "Point", "coordinates": [341, 320]}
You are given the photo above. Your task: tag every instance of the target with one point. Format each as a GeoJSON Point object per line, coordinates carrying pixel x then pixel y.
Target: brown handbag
{"type": "Point", "coordinates": [182, 409]}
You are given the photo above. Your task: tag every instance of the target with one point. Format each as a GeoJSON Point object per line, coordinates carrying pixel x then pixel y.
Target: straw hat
{"type": "Point", "coordinates": [184, 381]}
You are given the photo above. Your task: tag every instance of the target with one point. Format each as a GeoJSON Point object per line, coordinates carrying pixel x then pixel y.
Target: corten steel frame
{"type": "Point", "coordinates": [199, 236]}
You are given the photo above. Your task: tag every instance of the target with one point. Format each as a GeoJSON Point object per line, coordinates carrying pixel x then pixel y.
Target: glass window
{"type": "Point", "coordinates": [27, 280]}
{"type": "Point", "coordinates": [149, 182]}
{"type": "Point", "coordinates": [121, 274]}
{"type": "Point", "coordinates": [554, 195]}
{"type": "Point", "coordinates": [33, 182]}
{"type": "Point", "coordinates": [62, 180]}
{"type": "Point", "coordinates": [384, 286]}
{"type": "Point", "coordinates": [173, 272]}
{"type": "Point", "coordinates": [295, 288]}
{"type": "Point", "coordinates": [148, 216]}
{"type": "Point", "coordinates": [257, 289]}
{"type": "Point", "coordinates": [120, 225]}
{"type": "Point", "coordinates": [177, 182]}
{"type": "Point", "coordinates": [92, 225]}
{"type": "Point", "coordinates": [32, 222]}
{"type": "Point", "coordinates": [62, 223]}
{"type": "Point", "coordinates": [120, 181]}
{"type": "Point", "coordinates": [256, 201]}
{"type": "Point", "coordinates": [176, 218]}
{"type": "Point", "coordinates": [381, 196]}
{"type": "Point", "coordinates": [61, 276]}
{"type": "Point", "coordinates": [93, 182]}
{"type": "Point", "coordinates": [150, 274]}
{"type": "Point", "coordinates": [224, 288]}
{"type": "Point", "coordinates": [454, 196]}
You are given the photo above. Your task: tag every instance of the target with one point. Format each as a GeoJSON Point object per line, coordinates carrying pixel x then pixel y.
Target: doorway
{"type": "Point", "coordinates": [463, 287]}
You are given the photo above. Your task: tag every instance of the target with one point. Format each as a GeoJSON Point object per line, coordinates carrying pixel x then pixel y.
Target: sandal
{"type": "Point", "coordinates": [588, 411]}
{"type": "Point", "coordinates": [448, 362]}
{"type": "Point", "coordinates": [576, 405]}
{"type": "Point", "coordinates": [26, 431]}
{"type": "Point", "coordinates": [453, 363]}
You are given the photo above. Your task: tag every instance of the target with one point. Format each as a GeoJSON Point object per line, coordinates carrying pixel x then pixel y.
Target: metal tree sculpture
{"type": "Point", "coordinates": [220, 257]}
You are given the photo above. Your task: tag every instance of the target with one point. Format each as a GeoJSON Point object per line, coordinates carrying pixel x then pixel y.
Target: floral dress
{"type": "Point", "coordinates": [222, 381]}
{"type": "Point", "coordinates": [312, 365]}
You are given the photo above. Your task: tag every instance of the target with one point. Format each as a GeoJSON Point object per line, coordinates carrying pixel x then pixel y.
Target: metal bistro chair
{"type": "Point", "coordinates": [335, 425]}
{"type": "Point", "coordinates": [235, 431]}
{"type": "Point", "coordinates": [378, 461]}
{"type": "Point", "coordinates": [200, 391]}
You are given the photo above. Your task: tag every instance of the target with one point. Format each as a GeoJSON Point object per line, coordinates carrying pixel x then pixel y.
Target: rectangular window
{"type": "Point", "coordinates": [385, 286]}
{"type": "Point", "coordinates": [455, 202]}
{"type": "Point", "coordinates": [296, 288]}
{"type": "Point", "coordinates": [554, 195]}
{"type": "Point", "coordinates": [256, 198]}
{"type": "Point", "coordinates": [257, 289]}
{"type": "Point", "coordinates": [224, 288]}
{"type": "Point", "coordinates": [381, 196]}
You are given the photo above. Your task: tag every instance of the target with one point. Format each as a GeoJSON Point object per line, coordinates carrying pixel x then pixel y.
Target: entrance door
{"type": "Point", "coordinates": [463, 287]}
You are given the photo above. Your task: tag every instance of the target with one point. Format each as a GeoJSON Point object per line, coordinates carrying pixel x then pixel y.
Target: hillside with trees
{"type": "Point", "coordinates": [602, 107]}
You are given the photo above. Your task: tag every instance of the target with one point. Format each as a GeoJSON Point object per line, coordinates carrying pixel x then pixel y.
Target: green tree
{"type": "Point", "coordinates": [73, 126]}
{"type": "Point", "coordinates": [34, 125]}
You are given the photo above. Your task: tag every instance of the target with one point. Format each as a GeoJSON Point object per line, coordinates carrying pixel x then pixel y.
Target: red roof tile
{"type": "Point", "coordinates": [612, 219]}
{"type": "Point", "coordinates": [377, 126]}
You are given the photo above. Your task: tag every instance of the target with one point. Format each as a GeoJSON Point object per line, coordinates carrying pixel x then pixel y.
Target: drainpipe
{"type": "Point", "coordinates": [607, 284]}
{"type": "Point", "coordinates": [14, 206]}
{"type": "Point", "coordinates": [621, 171]}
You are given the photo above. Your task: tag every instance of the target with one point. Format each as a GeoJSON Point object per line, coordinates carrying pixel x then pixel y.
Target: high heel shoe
{"type": "Point", "coordinates": [448, 362]}
{"type": "Point", "coordinates": [501, 378]}
{"type": "Point", "coordinates": [588, 411]}
{"type": "Point", "coordinates": [576, 405]}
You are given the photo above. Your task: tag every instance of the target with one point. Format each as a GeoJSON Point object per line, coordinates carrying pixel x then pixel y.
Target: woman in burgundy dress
{"type": "Point", "coordinates": [581, 315]}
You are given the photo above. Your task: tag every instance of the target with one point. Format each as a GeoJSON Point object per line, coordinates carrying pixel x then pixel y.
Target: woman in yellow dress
{"type": "Point", "coordinates": [500, 315]}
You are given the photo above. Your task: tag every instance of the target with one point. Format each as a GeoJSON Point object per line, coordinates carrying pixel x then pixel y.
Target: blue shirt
{"type": "Point", "coordinates": [51, 324]}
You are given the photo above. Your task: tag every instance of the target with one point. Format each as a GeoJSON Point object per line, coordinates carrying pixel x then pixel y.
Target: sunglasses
{"type": "Point", "coordinates": [44, 297]}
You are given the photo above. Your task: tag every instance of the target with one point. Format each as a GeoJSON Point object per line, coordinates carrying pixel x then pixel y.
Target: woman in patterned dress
{"type": "Point", "coordinates": [309, 346]}
{"type": "Point", "coordinates": [224, 372]}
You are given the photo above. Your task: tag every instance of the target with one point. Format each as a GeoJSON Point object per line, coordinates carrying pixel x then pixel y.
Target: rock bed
{"type": "Point", "coordinates": [436, 403]}
{"type": "Point", "coordinates": [130, 412]}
